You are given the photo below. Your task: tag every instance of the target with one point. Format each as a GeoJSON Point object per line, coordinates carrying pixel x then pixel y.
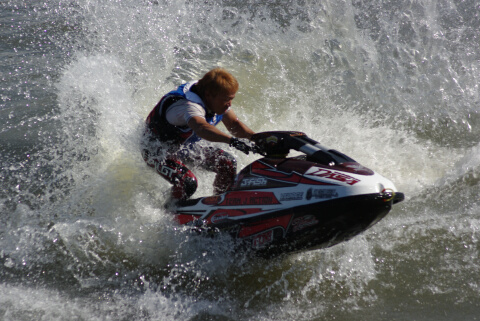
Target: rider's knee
{"type": "Point", "coordinates": [189, 186]}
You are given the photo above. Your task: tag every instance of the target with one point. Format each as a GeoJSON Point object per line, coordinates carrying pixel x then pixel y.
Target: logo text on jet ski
{"type": "Point", "coordinates": [252, 200]}
{"type": "Point", "coordinates": [219, 217]}
{"type": "Point", "coordinates": [325, 173]}
{"type": "Point", "coordinates": [262, 239]}
{"type": "Point", "coordinates": [253, 181]}
{"type": "Point", "coordinates": [303, 222]}
{"type": "Point", "coordinates": [321, 193]}
{"type": "Point", "coordinates": [164, 170]}
{"type": "Point", "coordinates": [291, 196]}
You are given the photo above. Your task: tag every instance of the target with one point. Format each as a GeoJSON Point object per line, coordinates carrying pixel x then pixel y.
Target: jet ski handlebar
{"type": "Point", "coordinates": [277, 144]}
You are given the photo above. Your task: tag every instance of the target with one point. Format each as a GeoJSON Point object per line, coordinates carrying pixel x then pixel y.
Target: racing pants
{"type": "Point", "coordinates": [171, 165]}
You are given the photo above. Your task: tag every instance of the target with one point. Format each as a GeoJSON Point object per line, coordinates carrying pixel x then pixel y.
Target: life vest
{"type": "Point", "coordinates": [162, 130]}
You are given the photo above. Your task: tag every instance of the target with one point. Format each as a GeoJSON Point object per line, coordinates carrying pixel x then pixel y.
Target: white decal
{"type": "Point", "coordinates": [338, 176]}
{"type": "Point", "coordinates": [165, 170]}
{"type": "Point", "coordinates": [253, 181]}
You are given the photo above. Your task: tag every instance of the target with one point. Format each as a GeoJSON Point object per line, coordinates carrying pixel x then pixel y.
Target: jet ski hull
{"type": "Point", "coordinates": [305, 227]}
{"type": "Point", "coordinates": [279, 204]}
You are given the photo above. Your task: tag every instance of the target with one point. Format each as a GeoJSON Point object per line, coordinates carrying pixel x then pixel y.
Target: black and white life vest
{"type": "Point", "coordinates": [162, 130]}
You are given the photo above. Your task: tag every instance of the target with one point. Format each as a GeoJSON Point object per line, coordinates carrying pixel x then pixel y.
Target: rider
{"type": "Point", "coordinates": [183, 117]}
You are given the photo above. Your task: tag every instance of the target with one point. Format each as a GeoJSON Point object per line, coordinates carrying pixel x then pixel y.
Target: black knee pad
{"type": "Point", "coordinates": [189, 186]}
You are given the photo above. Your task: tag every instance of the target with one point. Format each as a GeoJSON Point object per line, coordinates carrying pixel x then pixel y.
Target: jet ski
{"type": "Point", "coordinates": [281, 204]}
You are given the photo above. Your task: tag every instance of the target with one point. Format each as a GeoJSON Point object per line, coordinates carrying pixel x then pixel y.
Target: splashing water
{"type": "Point", "coordinates": [83, 232]}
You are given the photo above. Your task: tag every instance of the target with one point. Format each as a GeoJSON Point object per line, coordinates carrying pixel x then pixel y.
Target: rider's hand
{"type": "Point", "coordinates": [238, 144]}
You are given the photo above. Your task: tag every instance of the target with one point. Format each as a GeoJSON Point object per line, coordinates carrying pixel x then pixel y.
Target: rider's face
{"type": "Point", "coordinates": [219, 102]}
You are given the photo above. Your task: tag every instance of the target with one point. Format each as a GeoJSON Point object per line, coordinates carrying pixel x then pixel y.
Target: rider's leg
{"type": "Point", "coordinates": [220, 162]}
{"type": "Point", "coordinates": [173, 170]}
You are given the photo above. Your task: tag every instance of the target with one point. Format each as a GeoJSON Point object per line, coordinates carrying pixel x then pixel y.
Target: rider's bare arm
{"type": "Point", "coordinates": [236, 127]}
{"type": "Point", "coordinates": [207, 131]}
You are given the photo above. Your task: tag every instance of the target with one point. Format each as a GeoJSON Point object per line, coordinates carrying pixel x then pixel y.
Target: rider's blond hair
{"type": "Point", "coordinates": [217, 80]}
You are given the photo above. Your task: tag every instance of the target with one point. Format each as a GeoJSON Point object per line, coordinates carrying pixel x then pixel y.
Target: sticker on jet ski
{"type": "Point", "coordinates": [249, 198]}
{"type": "Point", "coordinates": [253, 182]}
{"type": "Point", "coordinates": [303, 222]}
{"type": "Point", "coordinates": [262, 240]}
{"type": "Point", "coordinates": [295, 196]}
{"type": "Point", "coordinates": [331, 174]}
{"type": "Point", "coordinates": [321, 194]}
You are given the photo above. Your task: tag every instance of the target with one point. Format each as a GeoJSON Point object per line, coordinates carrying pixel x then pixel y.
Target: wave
{"type": "Point", "coordinates": [393, 84]}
